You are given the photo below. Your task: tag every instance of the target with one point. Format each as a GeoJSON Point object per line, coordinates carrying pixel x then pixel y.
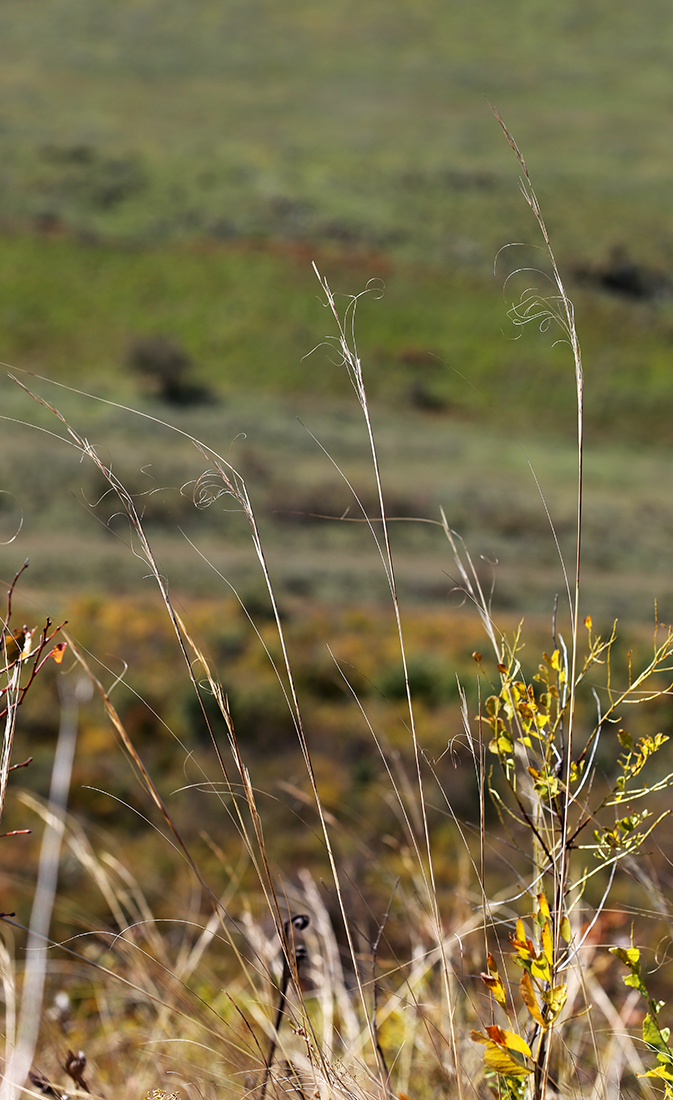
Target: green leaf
{"type": "Point", "coordinates": [635, 982]}
{"type": "Point", "coordinates": [576, 771]}
{"type": "Point", "coordinates": [556, 998]}
{"type": "Point", "coordinates": [625, 739]}
{"type": "Point", "coordinates": [501, 746]}
{"type": "Point", "coordinates": [656, 1037]}
{"type": "Point", "coordinates": [628, 824]}
{"type": "Point", "coordinates": [492, 705]}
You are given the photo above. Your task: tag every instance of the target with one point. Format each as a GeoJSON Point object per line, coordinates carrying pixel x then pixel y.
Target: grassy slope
{"type": "Point", "coordinates": [367, 122]}
{"type": "Point", "coordinates": [479, 475]}
{"type": "Point", "coordinates": [248, 316]}
{"type": "Point", "coordinates": [139, 135]}
{"type": "Point", "coordinates": [363, 125]}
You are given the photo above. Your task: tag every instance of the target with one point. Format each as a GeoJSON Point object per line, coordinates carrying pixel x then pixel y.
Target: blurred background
{"type": "Point", "coordinates": [169, 169]}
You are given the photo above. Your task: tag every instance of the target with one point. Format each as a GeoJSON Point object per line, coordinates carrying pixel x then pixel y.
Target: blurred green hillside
{"type": "Point", "coordinates": [171, 169]}
{"type": "Point", "coordinates": [361, 123]}
{"type": "Point", "coordinates": [174, 167]}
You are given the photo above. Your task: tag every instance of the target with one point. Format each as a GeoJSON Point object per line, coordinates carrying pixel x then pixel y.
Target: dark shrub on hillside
{"type": "Point", "coordinates": [167, 367]}
{"type": "Point", "coordinates": [620, 274]}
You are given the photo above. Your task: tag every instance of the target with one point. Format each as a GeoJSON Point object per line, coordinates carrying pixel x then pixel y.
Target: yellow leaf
{"type": "Point", "coordinates": [498, 1059]}
{"type": "Point", "coordinates": [587, 622]}
{"type": "Point", "coordinates": [529, 999]}
{"type": "Point", "coordinates": [479, 1037]}
{"type": "Point", "coordinates": [509, 1039]}
{"type": "Point", "coordinates": [566, 930]}
{"type": "Point", "coordinates": [543, 905]}
{"type": "Point", "coordinates": [660, 1071]}
{"type": "Point", "coordinates": [493, 983]}
{"type": "Point", "coordinates": [630, 956]}
{"type": "Point", "coordinates": [540, 969]}
{"type": "Point", "coordinates": [492, 705]}
{"type": "Point", "coordinates": [496, 1034]}
{"type": "Point", "coordinates": [522, 946]}
{"type": "Point", "coordinates": [58, 651]}
{"type": "Point", "coordinates": [556, 998]}
{"type": "Point", "coordinates": [547, 942]}
{"type": "Point", "coordinates": [515, 1042]}
{"type": "Point", "coordinates": [491, 964]}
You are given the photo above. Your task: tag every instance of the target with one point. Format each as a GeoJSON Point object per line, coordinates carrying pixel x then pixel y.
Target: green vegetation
{"type": "Point", "coordinates": [248, 317]}
{"type": "Point", "coordinates": [172, 171]}
{"type": "Point", "coordinates": [477, 472]}
{"type": "Point", "coordinates": [390, 765]}
{"type": "Point", "coordinates": [364, 123]}
{"type": "Point", "coordinates": [340, 849]}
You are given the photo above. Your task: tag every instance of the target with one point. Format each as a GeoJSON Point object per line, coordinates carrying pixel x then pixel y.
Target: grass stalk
{"type": "Point", "coordinates": [30, 1013]}
{"type": "Point", "coordinates": [350, 359]}
{"type": "Point", "coordinates": [562, 311]}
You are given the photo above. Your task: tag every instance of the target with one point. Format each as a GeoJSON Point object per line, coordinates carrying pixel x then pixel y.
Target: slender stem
{"type": "Point", "coordinates": [561, 310]}
{"type": "Point", "coordinates": [293, 956]}
{"type": "Point", "coordinates": [354, 366]}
